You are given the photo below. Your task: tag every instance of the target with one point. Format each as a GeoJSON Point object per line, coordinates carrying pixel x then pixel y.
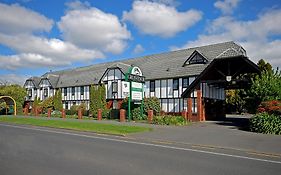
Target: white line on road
{"type": "Point", "coordinates": [142, 143]}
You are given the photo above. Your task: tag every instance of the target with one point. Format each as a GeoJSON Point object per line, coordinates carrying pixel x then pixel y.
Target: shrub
{"type": "Point", "coordinates": [152, 103]}
{"type": "Point", "coordinates": [271, 107]}
{"type": "Point", "coordinates": [169, 120]}
{"type": "Point", "coordinates": [266, 123]}
{"type": "Point", "coordinates": [136, 113]}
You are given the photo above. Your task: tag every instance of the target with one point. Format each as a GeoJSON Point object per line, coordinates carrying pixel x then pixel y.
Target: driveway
{"type": "Point", "coordinates": [229, 134]}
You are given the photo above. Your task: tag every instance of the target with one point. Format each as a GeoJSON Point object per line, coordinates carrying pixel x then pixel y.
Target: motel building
{"type": "Point", "coordinates": [193, 79]}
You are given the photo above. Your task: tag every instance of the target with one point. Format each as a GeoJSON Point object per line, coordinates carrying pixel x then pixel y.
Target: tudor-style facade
{"type": "Point", "coordinates": [173, 77]}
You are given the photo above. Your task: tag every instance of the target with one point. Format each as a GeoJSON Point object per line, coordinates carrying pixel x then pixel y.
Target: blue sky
{"type": "Point", "coordinates": [37, 36]}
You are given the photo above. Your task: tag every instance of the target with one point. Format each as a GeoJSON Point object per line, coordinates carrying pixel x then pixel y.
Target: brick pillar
{"type": "Point", "coordinates": [99, 114]}
{"type": "Point", "coordinates": [63, 113]}
{"type": "Point", "coordinates": [25, 111]}
{"type": "Point", "coordinates": [49, 112]}
{"type": "Point", "coordinates": [184, 114]}
{"type": "Point", "coordinates": [189, 108]}
{"type": "Point", "coordinates": [36, 111]}
{"type": "Point", "coordinates": [199, 105]}
{"type": "Point", "coordinates": [203, 112]}
{"type": "Point", "coordinates": [150, 116]}
{"type": "Point", "coordinates": [79, 114]}
{"type": "Point", "coordinates": [122, 115]}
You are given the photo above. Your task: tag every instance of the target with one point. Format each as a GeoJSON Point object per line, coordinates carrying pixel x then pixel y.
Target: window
{"type": "Point", "coordinates": [65, 91]}
{"type": "Point", "coordinates": [114, 87]}
{"type": "Point", "coordinates": [152, 86]}
{"type": "Point", "coordinates": [82, 90]}
{"type": "Point", "coordinates": [29, 92]}
{"type": "Point", "coordinates": [197, 59]}
{"type": "Point", "coordinates": [176, 84]}
{"type": "Point", "coordinates": [184, 82]}
{"type": "Point", "coordinates": [66, 104]}
{"type": "Point", "coordinates": [45, 92]}
{"type": "Point", "coordinates": [72, 91]}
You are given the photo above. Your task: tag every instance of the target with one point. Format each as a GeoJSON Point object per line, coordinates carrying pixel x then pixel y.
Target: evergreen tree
{"type": "Point", "coordinates": [58, 100]}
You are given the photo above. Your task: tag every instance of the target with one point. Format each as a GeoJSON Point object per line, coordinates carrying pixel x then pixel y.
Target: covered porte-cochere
{"type": "Point", "coordinates": [206, 95]}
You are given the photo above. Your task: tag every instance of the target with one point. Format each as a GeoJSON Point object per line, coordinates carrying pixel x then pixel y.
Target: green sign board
{"type": "Point", "coordinates": [136, 87]}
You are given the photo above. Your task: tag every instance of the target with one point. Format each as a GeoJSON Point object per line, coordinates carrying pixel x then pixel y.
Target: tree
{"type": "Point", "coordinates": [263, 66]}
{"type": "Point", "coordinates": [234, 99]}
{"type": "Point", "coordinates": [58, 100]}
{"type": "Point", "coordinates": [264, 87]}
{"type": "Point", "coordinates": [94, 100]}
{"type": "Point", "coordinates": [48, 103]}
{"type": "Point", "coordinates": [98, 100]}
{"type": "Point", "coordinates": [17, 93]}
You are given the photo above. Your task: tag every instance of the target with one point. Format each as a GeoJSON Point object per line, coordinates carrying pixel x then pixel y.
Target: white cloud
{"type": "Point", "coordinates": [18, 19]}
{"type": "Point", "coordinates": [92, 28]}
{"type": "Point", "coordinates": [89, 34]}
{"type": "Point", "coordinates": [57, 50]}
{"type": "Point", "coordinates": [226, 6]}
{"type": "Point", "coordinates": [138, 49]}
{"type": "Point", "coordinates": [155, 18]}
{"type": "Point", "coordinates": [259, 37]}
{"type": "Point", "coordinates": [13, 79]}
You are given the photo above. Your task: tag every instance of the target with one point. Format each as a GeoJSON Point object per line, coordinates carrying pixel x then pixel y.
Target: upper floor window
{"type": "Point", "coordinates": [82, 90]}
{"type": "Point", "coordinates": [152, 86]}
{"type": "Point", "coordinates": [184, 82]}
{"type": "Point", "coordinates": [65, 91]}
{"type": "Point", "coordinates": [176, 84]}
{"type": "Point", "coordinates": [114, 87]}
{"type": "Point", "coordinates": [72, 90]}
{"type": "Point", "coordinates": [196, 58]}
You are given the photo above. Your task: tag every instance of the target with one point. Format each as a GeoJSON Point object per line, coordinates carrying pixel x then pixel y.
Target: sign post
{"type": "Point", "coordinates": [136, 81]}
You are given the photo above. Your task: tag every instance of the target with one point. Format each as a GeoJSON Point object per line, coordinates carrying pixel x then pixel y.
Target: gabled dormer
{"type": "Point", "coordinates": [196, 58]}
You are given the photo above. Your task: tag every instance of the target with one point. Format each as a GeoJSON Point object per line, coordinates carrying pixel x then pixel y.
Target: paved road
{"type": "Point", "coordinates": [34, 150]}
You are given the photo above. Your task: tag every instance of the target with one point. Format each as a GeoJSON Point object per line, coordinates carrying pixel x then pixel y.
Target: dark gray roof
{"type": "Point", "coordinates": [157, 66]}
{"type": "Point", "coordinates": [35, 80]}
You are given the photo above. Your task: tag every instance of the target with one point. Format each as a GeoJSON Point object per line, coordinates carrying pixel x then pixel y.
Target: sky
{"type": "Point", "coordinates": [37, 36]}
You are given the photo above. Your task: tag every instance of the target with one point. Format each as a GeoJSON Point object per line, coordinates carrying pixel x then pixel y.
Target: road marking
{"type": "Point", "coordinates": [264, 154]}
{"type": "Point", "coordinates": [142, 143]}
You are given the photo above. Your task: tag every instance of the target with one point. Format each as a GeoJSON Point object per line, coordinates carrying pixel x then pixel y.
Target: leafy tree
{"type": "Point", "coordinates": [94, 100]}
{"type": "Point", "coordinates": [17, 93]}
{"type": "Point", "coordinates": [36, 102]}
{"type": "Point", "coordinates": [48, 103]}
{"type": "Point", "coordinates": [58, 100]}
{"type": "Point", "coordinates": [234, 99]}
{"type": "Point", "coordinates": [265, 87]}
{"type": "Point", "coordinates": [263, 66]}
{"type": "Point", "coordinates": [98, 100]}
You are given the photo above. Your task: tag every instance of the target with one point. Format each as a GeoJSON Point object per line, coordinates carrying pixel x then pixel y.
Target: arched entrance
{"type": "Point", "coordinates": [11, 105]}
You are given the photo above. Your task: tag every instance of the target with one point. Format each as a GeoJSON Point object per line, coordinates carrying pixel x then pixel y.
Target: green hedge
{"type": "Point", "coordinates": [169, 120]}
{"type": "Point", "coordinates": [266, 123]}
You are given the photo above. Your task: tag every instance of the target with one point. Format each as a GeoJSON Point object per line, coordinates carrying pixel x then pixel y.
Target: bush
{"type": "Point", "coordinates": [169, 120]}
{"type": "Point", "coordinates": [136, 113]}
{"type": "Point", "coordinates": [271, 107]}
{"type": "Point", "coordinates": [152, 103]}
{"type": "Point", "coordinates": [266, 123]}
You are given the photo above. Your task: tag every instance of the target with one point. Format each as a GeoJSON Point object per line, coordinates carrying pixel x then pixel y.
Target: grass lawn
{"type": "Point", "coordinates": [76, 125]}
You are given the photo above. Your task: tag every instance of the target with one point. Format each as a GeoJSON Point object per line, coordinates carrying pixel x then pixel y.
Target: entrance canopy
{"type": "Point", "coordinates": [11, 106]}
{"type": "Point", "coordinates": [225, 73]}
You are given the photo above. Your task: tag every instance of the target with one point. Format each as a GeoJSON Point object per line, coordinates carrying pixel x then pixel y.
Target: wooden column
{"type": "Point", "coordinates": [199, 106]}
{"type": "Point", "coordinates": [189, 108]}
